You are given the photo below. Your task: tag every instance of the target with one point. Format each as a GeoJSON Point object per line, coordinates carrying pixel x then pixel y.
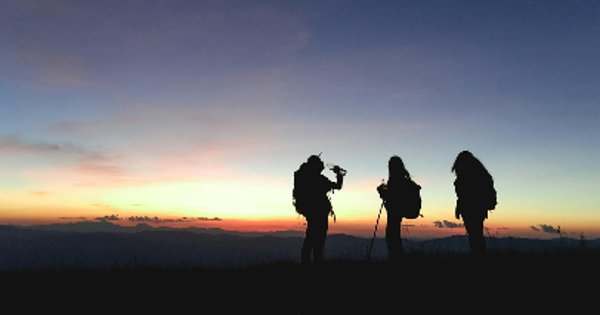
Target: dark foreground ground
{"type": "Point", "coordinates": [561, 282]}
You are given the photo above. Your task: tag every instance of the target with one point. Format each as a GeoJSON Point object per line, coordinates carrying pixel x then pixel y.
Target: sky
{"type": "Point", "coordinates": [197, 113]}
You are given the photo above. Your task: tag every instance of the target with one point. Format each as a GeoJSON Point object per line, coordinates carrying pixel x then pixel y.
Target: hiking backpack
{"type": "Point", "coordinates": [304, 199]}
{"type": "Point", "coordinates": [412, 202]}
{"type": "Point", "coordinates": [299, 193]}
{"type": "Point", "coordinates": [491, 199]}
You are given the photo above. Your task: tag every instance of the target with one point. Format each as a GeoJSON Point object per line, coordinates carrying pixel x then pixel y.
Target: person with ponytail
{"type": "Point", "coordinates": [400, 196]}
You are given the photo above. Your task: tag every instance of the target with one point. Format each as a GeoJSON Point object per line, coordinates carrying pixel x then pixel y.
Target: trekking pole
{"type": "Point", "coordinates": [374, 233]}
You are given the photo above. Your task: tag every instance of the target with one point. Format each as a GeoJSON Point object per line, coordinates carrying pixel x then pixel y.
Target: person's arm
{"type": "Point", "coordinates": [382, 190]}
{"type": "Point", "coordinates": [340, 178]}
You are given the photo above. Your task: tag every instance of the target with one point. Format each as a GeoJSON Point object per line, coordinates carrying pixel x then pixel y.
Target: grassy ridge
{"type": "Point", "coordinates": [566, 278]}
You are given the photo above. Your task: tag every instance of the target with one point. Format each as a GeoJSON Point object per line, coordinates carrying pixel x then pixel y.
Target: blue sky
{"type": "Point", "coordinates": [140, 93]}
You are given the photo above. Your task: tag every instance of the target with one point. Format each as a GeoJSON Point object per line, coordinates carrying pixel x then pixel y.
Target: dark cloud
{"type": "Point", "coordinates": [545, 228]}
{"type": "Point", "coordinates": [447, 224]}
{"type": "Point", "coordinates": [111, 217]}
{"type": "Point", "coordinates": [208, 219]}
{"type": "Point", "coordinates": [549, 229]}
{"type": "Point", "coordinates": [143, 219]}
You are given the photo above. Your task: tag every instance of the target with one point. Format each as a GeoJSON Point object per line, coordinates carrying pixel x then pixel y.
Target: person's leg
{"type": "Point", "coordinates": [308, 245]}
{"type": "Point", "coordinates": [474, 227]}
{"type": "Point", "coordinates": [320, 234]}
{"type": "Point", "coordinates": [392, 236]}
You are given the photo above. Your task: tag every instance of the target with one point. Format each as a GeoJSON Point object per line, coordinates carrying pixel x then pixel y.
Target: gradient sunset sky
{"type": "Point", "coordinates": [177, 112]}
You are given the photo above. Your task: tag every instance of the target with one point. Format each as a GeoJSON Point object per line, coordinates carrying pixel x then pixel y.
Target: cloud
{"type": "Point", "coordinates": [154, 219]}
{"type": "Point", "coordinates": [84, 158]}
{"type": "Point", "coordinates": [14, 145]}
{"type": "Point", "coordinates": [143, 219]}
{"type": "Point", "coordinates": [447, 224]}
{"type": "Point", "coordinates": [72, 218]}
{"type": "Point", "coordinates": [99, 164]}
{"type": "Point", "coordinates": [208, 219]}
{"type": "Point", "coordinates": [202, 147]}
{"type": "Point", "coordinates": [111, 217]}
{"type": "Point", "coordinates": [75, 164]}
{"type": "Point", "coordinates": [545, 228]}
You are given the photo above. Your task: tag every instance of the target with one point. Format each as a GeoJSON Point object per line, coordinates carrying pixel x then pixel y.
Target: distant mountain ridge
{"type": "Point", "coordinates": [106, 245]}
{"type": "Point", "coordinates": [108, 227]}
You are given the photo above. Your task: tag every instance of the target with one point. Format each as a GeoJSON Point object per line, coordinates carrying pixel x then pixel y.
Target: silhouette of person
{"type": "Point", "coordinates": [476, 195]}
{"type": "Point", "coordinates": [394, 196]}
{"type": "Point", "coordinates": [310, 191]}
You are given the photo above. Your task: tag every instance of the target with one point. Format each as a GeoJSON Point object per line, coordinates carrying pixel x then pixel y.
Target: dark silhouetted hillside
{"type": "Point", "coordinates": [110, 246]}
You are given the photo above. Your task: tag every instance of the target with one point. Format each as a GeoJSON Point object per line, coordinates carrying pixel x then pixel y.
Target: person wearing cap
{"type": "Point", "coordinates": [311, 190]}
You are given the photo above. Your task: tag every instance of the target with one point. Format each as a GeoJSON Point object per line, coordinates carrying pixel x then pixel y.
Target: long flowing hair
{"type": "Point", "coordinates": [397, 169]}
{"type": "Point", "coordinates": [468, 165]}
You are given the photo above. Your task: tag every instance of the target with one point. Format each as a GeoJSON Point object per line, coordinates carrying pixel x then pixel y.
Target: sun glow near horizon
{"type": "Point", "coordinates": [250, 202]}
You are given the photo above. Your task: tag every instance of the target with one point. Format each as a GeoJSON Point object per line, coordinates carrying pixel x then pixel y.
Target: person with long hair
{"type": "Point", "coordinates": [476, 195]}
{"type": "Point", "coordinates": [396, 195]}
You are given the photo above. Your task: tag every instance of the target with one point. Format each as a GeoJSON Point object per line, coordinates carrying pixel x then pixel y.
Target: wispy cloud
{"type": "Point", "coordinates": [99, 164]}
{"type": "Point", "coordinates": [186, 144]}
{"type": "Point", "coordinates": [79, 165]}
{"type": "Point", "coordinates": [155, 219]}
{"type": "Point", "coordinates": [15, 145]}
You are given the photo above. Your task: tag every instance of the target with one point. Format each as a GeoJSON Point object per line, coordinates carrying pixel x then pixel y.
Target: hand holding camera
{"type": "Point", "coordinates": [336, 169]}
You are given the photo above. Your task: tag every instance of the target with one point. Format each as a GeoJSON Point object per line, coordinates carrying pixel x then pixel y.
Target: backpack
{"type": "Point", "coordinates": [305, 199]}
{"type": "Point", "coordinates": [300, 193]}
{"type": "Point", "coordinates": [491, 199]}
{"type": "Point", "coordinates": [405, 198]}
{"type": "Point", "coordinates": [412, 202]}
